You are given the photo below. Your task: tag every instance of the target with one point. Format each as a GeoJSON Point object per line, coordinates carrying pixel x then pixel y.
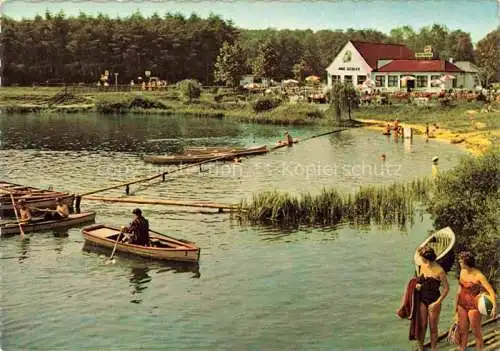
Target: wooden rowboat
{"type": "Point", "coordinates": [223, 156]}
{"type": "Point", "coordinates": [202, 150]}
{"type": "Point", "coordinates": [41, 224]}
{"type": "Point", "coordinates": [443, 243]}
{"type": "Point", "coordinates": [162, 247]}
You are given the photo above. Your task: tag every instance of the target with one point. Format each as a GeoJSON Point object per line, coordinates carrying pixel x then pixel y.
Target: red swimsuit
{"type": "Point", "coordinates": [468, 294]}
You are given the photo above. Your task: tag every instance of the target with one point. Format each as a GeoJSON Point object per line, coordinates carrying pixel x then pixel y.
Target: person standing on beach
{"type": "Point", "coordinates": [435, 169]}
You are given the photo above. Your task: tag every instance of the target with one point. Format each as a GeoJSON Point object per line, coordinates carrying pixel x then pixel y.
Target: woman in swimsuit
{"type": "Point", "coordinates": [471, 283]}
{"type": "Point", "coordinates": [431, 277]}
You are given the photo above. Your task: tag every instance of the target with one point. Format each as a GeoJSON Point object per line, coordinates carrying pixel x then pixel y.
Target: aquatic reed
{"type": "Point", "coordinates": [392, 204]}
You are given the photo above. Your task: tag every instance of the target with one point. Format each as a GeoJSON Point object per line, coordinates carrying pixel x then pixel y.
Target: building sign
{"type": "Point", "coordinates": [349, 69]}
{"type": "Point", "coordinates": [347, 56]}
{"type": "Point", "coordinates": [426, 54]}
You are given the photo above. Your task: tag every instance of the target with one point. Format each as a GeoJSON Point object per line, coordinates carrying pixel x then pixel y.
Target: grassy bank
{"type": "Point", "coordinates": [211, 104]}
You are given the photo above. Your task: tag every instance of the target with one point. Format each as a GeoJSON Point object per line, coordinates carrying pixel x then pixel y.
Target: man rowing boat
{"type": "Point", "coordinates": [138, 229]}
{"type": "Point", "coordinates": [24, 211]}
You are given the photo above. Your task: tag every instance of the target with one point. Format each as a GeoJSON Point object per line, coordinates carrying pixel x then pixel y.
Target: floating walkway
{"type": "Point", "coordinates": [491, 337]}
{"type": "Point", "coordinates": [138, 200]}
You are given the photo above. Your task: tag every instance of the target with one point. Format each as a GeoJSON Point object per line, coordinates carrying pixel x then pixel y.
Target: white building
{"type": "Point", "coordinates": [387, 64]}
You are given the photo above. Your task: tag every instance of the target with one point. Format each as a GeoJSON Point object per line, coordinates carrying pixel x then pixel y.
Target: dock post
{"type": "Point", "coordinates": [127, 190]}
{"type": "Point", "coordinates": [200, 168]}
{"type": "Point", "coordinates": [78, 199]}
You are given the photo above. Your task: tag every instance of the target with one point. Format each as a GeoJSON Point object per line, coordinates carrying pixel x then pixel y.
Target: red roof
{"type": "Point", "coordinates": [419, 66]}
{"type": "Point", "coordinates": [372, 52]}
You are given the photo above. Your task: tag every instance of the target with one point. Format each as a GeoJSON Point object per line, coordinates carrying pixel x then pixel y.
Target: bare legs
{"type": "Point", "coordinates": [474, 317]}
{"type": "Point", "coordinates": [431, 318]}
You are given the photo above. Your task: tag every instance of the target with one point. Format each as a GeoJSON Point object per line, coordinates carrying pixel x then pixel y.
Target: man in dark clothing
{"type": "Point", "coordinates": [138, 229]}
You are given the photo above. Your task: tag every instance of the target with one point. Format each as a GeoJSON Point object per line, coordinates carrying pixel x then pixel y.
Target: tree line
{"type": "Point", "coordinates": [54, 47]}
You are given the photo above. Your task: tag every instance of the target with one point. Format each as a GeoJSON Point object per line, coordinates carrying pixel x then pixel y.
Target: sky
{"type": "Point", "coordinates": [477, 17]}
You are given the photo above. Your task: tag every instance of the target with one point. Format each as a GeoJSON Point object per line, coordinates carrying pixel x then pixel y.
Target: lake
{"type": "Point", "coordinates": [255, 287]}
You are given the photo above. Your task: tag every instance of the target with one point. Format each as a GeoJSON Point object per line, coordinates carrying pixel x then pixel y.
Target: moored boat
{"type": "Point", "coordinates": [162, 247]}
{"type": "Point", "coordinates": [201, 150]}
{"type": "Point", "coordinates": [74, 219]}
{"type": "Point", "coordinates": [443, 243]}
{"type": "Point", "coordinates": [222, 156]}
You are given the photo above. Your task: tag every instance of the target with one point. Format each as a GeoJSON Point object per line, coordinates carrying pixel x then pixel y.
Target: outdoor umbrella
{"type": "Point", "coordinates": [313, 79]}
{"type": "Point", "coordinates": [405, 78]}
{"type": "Point", "coordinates": [447, 77]}
{"type": "Point", "coordinates": [290, 81]}
{"type": "Point", "coordinates": [368, 83]}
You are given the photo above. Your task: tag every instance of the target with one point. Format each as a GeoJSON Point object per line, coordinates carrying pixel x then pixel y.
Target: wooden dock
{"type": "Point", "coordinates": [491, 337]}
{"type": "Point", "coordinates": [137, 200]}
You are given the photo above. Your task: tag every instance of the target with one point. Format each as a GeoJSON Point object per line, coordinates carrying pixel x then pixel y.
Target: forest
{"type": "Point", "coordinates": [54, 48]}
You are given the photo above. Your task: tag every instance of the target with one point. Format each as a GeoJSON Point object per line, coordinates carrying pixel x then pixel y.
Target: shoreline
{"type": "Point", "coordinates": [476, 142]}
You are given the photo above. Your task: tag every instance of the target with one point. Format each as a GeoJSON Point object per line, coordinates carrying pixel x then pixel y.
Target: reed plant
{"type": "Point", "coordinates": [392, 204]}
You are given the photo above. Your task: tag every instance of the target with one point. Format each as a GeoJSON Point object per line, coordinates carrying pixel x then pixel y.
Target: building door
{"type": "Point", "coordinates": [410, 85]}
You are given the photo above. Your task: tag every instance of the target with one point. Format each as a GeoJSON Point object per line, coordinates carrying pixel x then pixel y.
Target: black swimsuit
{"type": "Point", "coordinates": [429, 292]}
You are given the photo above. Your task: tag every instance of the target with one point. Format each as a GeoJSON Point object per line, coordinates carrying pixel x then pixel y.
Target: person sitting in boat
{"type": "Point", "coordinates": [24, 211]}
{"type": "Point", "coordinates": [138, 230]}
{"type": "Point", "coordinates": [61, 211]}
{"type": "Point", "coordinates": [289, 138]}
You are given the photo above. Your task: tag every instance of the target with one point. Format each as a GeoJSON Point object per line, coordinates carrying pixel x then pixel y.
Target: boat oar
{"type": "Point", "coordinates": [17, 217]}
{"type": "Point", "coordinates": [114, 248]}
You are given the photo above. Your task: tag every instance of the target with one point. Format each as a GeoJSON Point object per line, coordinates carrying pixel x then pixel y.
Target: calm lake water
{"type": "Point", "coordinates": [255, 288]}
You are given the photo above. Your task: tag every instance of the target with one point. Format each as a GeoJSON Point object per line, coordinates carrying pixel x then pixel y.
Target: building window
{"type": "Point", "coordinates": [361, 79]}
{"type": "Point", "coordinates": [392, 81]}
{"type": "Point", "coordinates": [348, 79]}
{"type": "Point", "coordinates": [454, 82]}
{"type": "Point", "coordinates": [335, 78]}
{"type": "Point", "coordinates": [380, 81]}
{"type": "Point", "coordinates": [435, 78]}
{"type": "Point", "coordinates": [422, 81]}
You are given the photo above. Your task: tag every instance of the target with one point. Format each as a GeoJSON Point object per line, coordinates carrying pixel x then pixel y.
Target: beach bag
{"type": "Point", "coordinates": [453, 334]}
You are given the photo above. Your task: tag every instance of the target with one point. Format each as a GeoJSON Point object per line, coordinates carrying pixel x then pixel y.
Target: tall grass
{"type": "Point", "coordinates": [393, 204]}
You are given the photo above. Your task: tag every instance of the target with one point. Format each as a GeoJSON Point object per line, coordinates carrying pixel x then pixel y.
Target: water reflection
{"type": "Point", "coordinates": [181, 267]}
{"type": "Point", "coordinates": [139, 279]}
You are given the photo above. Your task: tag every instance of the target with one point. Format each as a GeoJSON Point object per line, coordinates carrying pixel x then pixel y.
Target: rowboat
{"type": "Point", "coordinates": [162, 247]}
{"type": "Point", "coordinates": [36, 201]}
{"type": "Point", "coordinates": [201, 150]}
{"type": "Point", "coordinates": [443, 243]}
{"type": "Point", "coordinates": [41, 224]}
{"type": "Point", "coordinates": [222, 156]}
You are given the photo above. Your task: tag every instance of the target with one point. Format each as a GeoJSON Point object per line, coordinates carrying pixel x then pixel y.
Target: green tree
{"type": "Point", "coordinates": [487, 56]}
{"type": "Point", "coordinates": [301, 70]}
{"type": "Point", "coordinates": [459, 46]}
{"type": "Point", "coordinates": [343, 97]}
{"type": "Point", "coordinates": [190, 89]}
{"type": "Point", "coordinates": [231, 64]}
{"type": "Point", "coordinates": [467, 199]}
{"type": "Point", "coordinates": [266, 63]}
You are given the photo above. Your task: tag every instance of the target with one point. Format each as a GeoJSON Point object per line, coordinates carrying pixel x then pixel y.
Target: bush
{"type": "Point", "coordinates": [146, 103]}
{"type": "Point", "coordinates": [218, 97]}
{"type": "Point", "coordinates": [265, 104]}
{"type": "Point", "coordinates": [467, 199]}
{"type": "Point", "coordinates": [190, 89]}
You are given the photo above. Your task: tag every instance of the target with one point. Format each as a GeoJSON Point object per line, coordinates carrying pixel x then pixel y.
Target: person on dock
{"type": "Point", "coordinates": [24, 211]}
{"type": "Point", "coordinates": [471, 282]}
{"type": "Point", "coordinates": [138, 230]}
{"type": "Point", "coordinates": [431, 277]}
{"type": "Point", "coordinates": [61, 211]}
{"type": "Point", "coordinates": [289, 139]}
